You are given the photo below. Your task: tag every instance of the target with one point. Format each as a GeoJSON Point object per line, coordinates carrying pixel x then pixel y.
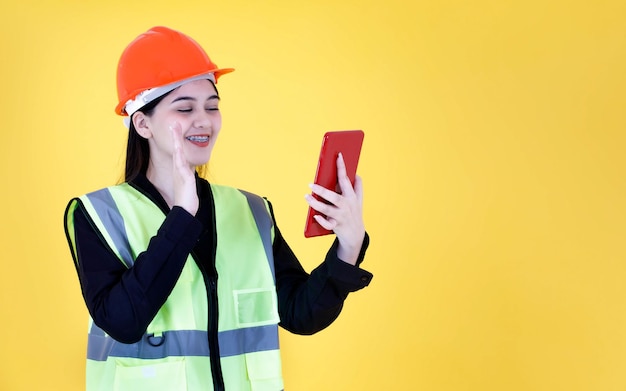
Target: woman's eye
{"type": "Point", "coordinates": [184, 110]}
{"type": "Point", "coordinates": [212, 108]}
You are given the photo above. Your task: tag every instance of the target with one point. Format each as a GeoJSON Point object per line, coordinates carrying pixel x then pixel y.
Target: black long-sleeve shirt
{"type": "Point", "coordinates": [123, 301]}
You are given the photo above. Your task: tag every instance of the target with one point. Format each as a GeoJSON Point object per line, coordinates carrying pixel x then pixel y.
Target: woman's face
{"type": "Point", "coordinates": [195, 106]}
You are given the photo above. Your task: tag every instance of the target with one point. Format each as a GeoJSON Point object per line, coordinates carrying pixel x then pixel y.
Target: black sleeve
{"type": "Point", "coordinates": [309, 303]}
{"type": "Point", "coordinates": [123, 301]}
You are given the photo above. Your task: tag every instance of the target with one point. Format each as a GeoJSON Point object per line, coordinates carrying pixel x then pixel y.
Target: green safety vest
{"type": "Point", "coordinates": [174, 352]}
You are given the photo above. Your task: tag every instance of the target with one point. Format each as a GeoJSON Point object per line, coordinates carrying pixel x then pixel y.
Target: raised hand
{"type": "Point", "coordinates": [343, 212]}
{"type": "Point", "coordinates": [185, 193]}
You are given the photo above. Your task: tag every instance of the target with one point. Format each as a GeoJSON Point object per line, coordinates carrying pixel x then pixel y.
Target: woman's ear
{"type": "Point", "coordinates": [142, 125]}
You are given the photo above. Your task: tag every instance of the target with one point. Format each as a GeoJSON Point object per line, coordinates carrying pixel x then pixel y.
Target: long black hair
{"type": "Point", "coordinates": [137, 148]}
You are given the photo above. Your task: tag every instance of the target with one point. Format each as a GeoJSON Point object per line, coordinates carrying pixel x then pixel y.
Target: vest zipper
{"type": "Point", "coordinates": [214, 348]}
{"type": "Point", "coordinates": [210, 281]}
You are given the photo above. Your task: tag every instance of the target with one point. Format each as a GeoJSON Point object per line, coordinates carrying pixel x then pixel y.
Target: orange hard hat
{"type": "Point", "coordinates": [158, 61]}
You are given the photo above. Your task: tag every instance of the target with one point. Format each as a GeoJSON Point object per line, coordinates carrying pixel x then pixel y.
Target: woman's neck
{"type": "Point", "coordinates": [161, 178]}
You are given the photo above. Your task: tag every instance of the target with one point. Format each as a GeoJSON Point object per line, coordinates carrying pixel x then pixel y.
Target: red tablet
{"type": "Point", "coordinates": [349, 143]}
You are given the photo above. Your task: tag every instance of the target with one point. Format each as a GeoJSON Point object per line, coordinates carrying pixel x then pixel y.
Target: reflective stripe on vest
{"type": "Point", "coordinates": [247, 333]}
{"type": "Point", "coordinates": [183, 343]}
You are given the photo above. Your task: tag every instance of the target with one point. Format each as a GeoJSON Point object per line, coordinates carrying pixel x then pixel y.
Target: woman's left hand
{"type": "Point", "coordinates": [343, 214]}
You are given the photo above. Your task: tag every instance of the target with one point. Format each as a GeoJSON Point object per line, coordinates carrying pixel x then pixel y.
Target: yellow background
{"type": "Point", "coordinates": [493, 166]}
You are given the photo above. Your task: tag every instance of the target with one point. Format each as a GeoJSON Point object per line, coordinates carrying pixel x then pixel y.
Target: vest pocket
{"type": "Point", "coordinates": [256, 307]}
{"type": "Point", "coordinates": [135, 374]}
{"type": "Point", "coordinates": [264, 370]}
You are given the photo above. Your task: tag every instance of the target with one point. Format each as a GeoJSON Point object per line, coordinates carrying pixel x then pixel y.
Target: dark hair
{"type": "Point", "coordinates": [137, 148]}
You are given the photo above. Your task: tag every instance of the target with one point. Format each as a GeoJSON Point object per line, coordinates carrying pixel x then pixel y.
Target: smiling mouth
{"type": "Point", "coordinates": [198, 139]}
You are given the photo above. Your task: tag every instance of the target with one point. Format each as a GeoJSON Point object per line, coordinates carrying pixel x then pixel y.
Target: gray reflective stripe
{"type": "Point", "coordinates": [264, 225]}
{"type": "Point", "coordinates": [184, 343]}
{"type": "Point", "coordinates": [109, 214]}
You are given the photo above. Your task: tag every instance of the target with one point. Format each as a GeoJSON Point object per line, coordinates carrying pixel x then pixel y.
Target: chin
{"type": "Point", "coordinates": [199, 161]}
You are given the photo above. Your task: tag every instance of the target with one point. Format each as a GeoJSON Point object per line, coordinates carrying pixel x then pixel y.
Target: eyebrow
{"type": "Point", "coordinates": [194, 99]}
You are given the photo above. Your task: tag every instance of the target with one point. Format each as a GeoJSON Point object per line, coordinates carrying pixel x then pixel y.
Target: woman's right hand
{"type": "Point", "coordinates": [183, 175]}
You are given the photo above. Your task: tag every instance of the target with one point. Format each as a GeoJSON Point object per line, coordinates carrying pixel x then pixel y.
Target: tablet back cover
{"type": "Point", "coordinates": [349, 143]}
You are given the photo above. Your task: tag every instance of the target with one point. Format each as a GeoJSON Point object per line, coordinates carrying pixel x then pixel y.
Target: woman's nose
{"type": "Point", "coordinates": [202, 120]}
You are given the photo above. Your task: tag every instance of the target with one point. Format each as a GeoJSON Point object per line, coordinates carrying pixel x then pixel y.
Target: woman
{"type": "Point", "coordinates": [186, 282]}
